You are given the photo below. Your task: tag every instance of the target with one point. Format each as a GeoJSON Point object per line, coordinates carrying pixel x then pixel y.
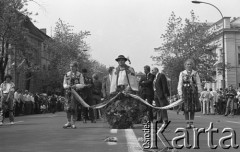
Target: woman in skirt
{"type": "Point", "coordinates": [189, 89]}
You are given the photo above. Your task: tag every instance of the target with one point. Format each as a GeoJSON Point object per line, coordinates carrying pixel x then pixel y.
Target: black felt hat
{"type": "Point", "coordinates": [121, 57]}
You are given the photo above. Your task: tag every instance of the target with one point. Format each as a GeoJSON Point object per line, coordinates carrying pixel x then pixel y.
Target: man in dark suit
{"type": "Point", "coordinates": [147, 91]}
{"type": "Point", "coordinates": [161, 92]}
{"type": "Point", "coordinates": [86, 94]}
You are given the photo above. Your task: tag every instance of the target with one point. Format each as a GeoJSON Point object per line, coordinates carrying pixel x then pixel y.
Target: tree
{"type": "Point", "coordinates": [67, 46]}
{"type": "Point", "coordinates": [184, 41]}
{"type": "Point", "coordinates": [12, 31]}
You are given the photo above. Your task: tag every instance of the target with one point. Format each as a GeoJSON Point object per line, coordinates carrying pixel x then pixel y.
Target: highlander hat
{"type": "Point", "coordinates": [121, 57]}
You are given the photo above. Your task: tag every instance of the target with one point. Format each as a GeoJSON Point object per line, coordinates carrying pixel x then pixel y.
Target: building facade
{"type": "Point", "coordinates": [231, 29]}
{"type": "Point", "coordinates": [37, 60]}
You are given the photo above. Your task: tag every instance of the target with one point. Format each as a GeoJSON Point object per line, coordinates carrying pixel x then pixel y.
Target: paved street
{"type": "Point", "coordinates": [44, 133]}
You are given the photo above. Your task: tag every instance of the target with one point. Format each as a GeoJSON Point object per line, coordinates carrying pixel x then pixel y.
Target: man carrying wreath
{"type": "Point", "coordinates": [124, 110]}
{"type": "Point", "coordinates": [123, 77]}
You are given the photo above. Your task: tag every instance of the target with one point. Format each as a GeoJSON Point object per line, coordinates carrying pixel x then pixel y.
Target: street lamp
{"type": "Point", "coordinates": [223, 45]}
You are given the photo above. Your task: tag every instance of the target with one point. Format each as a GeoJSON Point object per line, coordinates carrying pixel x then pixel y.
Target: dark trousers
{"type": "Point", "coordinates": [96, 100]}
{"type": "Point", "coordinates": [229, 106]}
{"type": "Point", "coordinates": [17, 109]}
{"type": "Point", "coordinates": [53, 108]}
{"type": "Point", "coordinates": [219, 106]}
{"type": "Point", "coordinates": [6, 105]}
{"type": "Point", "coordinates": [161, 114]}
{"type": "Point", "coordinates": [149, 100]}
{"type": "Point", "coordinates": [21, 107]}
{"type": "Point", "coordinates": [27, 107]}
{"type": "Point", "coordinates": [88, 113]}
{"type": "Point", "coordinates": [79, 110]}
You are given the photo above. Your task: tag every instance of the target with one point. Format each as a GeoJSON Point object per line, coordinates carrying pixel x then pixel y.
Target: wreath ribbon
{"type": "Point", "coordinates": [97, 106]}
{"type": "Point", "coordinates": [103, 104]}
{"type": "Point", "coordinates": [174, 104]}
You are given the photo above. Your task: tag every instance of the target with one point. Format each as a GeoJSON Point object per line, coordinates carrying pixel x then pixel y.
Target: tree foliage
{"type": "Point", "coordinates": [182, 41]}
{"type": "Point", "coordinates": [70, 46]}
{"type": "Point", "coordinates": [13, 14]}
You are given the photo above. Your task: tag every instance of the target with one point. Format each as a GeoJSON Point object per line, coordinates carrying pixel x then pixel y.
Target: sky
{"type": "Point", "coordinates": [125, 27]}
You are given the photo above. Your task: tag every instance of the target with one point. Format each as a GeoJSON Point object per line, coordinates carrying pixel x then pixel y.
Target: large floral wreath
{"type": "Point", "coordinates": [123, 112]}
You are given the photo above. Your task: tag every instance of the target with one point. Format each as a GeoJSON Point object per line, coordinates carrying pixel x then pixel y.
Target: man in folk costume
{"type": "Point", "coordinates": [123, 77]}
{"type": "Point", "coordinates": [6, 103]}
{"type": "Point", "coordinates": [121, 114]}
{"type": "Point", "coordinates": [161, 93]}
{"type": "Point", "coordinates": [72, 80]}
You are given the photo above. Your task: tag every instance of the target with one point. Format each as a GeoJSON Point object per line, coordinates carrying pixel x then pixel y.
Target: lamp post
{"type": "Point", "coordinates": [223, 45]}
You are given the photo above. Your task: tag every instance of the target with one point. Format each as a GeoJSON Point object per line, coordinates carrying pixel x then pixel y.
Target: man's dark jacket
{"type": "Point", "coordinates": [146, 84]}
{"type": "Point", "coordinates": [162, 88]}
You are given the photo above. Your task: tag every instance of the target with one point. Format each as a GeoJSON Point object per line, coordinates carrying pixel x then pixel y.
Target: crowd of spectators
{"type": "Point", "coordinates": [221, 102]}
{"type": "Point", "coordinates": [26, 103]}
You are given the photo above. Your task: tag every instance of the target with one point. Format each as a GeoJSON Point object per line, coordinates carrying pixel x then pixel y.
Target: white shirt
{"type": "Point", "coordinates": [122, 78]}
{"type": "Point", "coordinates": [180, 81]}
{"type": "Point", "coordinates": [5, 87]}
{"type": "Point", "coordinates": [110, 77]}
{"type": "Point", "coordinates": [8, 86]}
{"type": "Point", "coordinates": [214, 95]}
{"type": "Point", "coordinates": [238, 94]}
{"type": "Point", "coordinates": [16, 96]}
{"type": "Point", "coordinates": [25, 97]}
{"type": "Point", "coordinates": [154, 81]}
{"type": "Point", "coordinates": [32, 99]}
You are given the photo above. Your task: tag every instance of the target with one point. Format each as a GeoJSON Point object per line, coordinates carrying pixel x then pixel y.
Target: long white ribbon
{"type": "Point", "coordinates": [174, 104]}
{"type": "Point", "coordinates": [103, 104]}
{"type": "Point", "coordinates": [79, 99]}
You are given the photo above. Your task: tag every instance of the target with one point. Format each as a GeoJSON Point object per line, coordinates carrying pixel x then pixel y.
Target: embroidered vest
{"type": "Point", "coordinates": [73, 78]}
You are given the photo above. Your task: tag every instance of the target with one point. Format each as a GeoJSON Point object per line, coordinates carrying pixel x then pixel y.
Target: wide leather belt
{"type": "Point", "coordinates": [121, 86]}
